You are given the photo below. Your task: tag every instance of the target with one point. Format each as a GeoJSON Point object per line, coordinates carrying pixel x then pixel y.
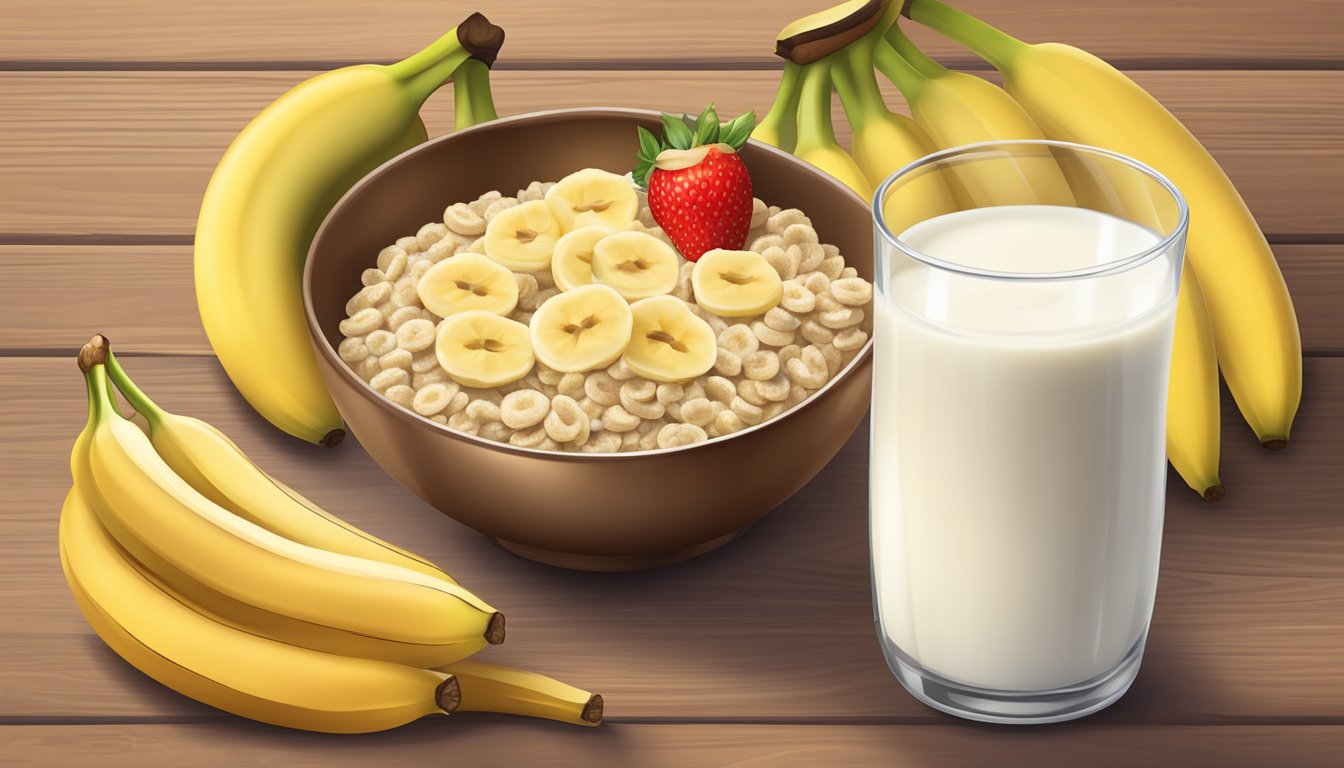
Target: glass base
{"type": "Point", "coordinates": [1007, 707]}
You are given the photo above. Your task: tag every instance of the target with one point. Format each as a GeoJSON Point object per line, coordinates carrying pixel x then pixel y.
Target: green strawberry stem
{"type": "Point", "coordinates": [896, 38]}
{"type": "Point", "coordinates": [782, 119]}
{"type": "Point", "coordinates": [990, 44]}
{"type": "Point", "coordinates": [473, 102]}
{"type": "Point", "coordinates": [137, 398]}
{"type": "Point", "coordinates": [814, 107]}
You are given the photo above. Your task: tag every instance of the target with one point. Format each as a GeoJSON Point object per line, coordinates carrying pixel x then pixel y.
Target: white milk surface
{"type": "Point", "coordinates": [1018, 466]}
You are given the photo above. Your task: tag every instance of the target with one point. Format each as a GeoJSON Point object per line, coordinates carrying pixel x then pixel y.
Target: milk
{"type": "Point", "coordinates": [1018, 467]}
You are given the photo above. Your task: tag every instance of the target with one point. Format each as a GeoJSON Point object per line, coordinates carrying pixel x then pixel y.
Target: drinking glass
{"type": "Point", "coordinates": [1026, 303]}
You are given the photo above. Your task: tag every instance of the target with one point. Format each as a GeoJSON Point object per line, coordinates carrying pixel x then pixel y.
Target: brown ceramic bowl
{"type": "Point", "coordinates": [589, 511]}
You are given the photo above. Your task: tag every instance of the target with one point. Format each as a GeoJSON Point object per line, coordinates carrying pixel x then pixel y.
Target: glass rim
{"type": "Point", "coordinates": [1121, 264]}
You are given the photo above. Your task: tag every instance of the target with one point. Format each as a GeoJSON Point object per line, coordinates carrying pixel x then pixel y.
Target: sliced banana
{"type": "Point", "coordinates": [668, 342]}
{"type": "Point", "coordinates": [582, 329]}
{"type": "Point", "coordinates": [593, 196]}
{"type": "Point", "coordinates": [523, 237]}
{"type": "Point", "coordinates": [736, 283]}
{"type": "Point", "coordinates": [572, 262]}
{"type": "Point", "coordinates": [636, 264]}
{"type": "Point", "coordinates": [482, 349]}
{"type": "Point", "coordinates": [468, 281]}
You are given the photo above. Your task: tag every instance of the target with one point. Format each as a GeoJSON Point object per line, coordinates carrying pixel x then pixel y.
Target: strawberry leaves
{"type": "Point", "coordinates": [678, 134]}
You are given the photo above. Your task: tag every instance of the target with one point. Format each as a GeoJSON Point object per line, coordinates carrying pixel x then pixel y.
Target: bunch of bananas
{"type": "Point", "coordinates": [1233, 312]}
{"type": "Point", "coordinates": [274, 186]}
{"type": "Point", "coordinates": [220, 582]}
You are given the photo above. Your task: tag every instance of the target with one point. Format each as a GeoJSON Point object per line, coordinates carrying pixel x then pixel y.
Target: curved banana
{"type": "Point", "coordinates": [779, 127]}
{"type": "Point", "coordinates": [1193, 418]}
{"type": "Point", "coordinates": [513, 691]}
{"type": "Point", "coordinates": [955, 109]}
{"type": "Point", "coordinates": [269, 193]}
{"type": "Point", "coordinates": [353, 605]}
{"type": "Point", "coordinates": [1076, 96]}
{"type": "Point", "coordinates": [212, 464]}
{"type": "Point", "coordinates": [186, 649]}
{"type": "Point", "coordinates": [816, 136]}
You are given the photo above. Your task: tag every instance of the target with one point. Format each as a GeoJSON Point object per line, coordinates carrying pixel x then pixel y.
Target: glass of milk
{"type": "Point", "coordinates": [1022, 344]}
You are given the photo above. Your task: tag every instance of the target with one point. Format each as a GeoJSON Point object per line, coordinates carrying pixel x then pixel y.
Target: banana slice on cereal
{"type": "Point", "coordinates": [593, 196]}
{"type": "Point", "coordinates": [668, 342]}
{"type": "Point", "coordinates": [572, 262]}
{"type": "Point", "coordinates": [736, 283]}
{"type": "Point", "coordinates": [523, 237]}
{"type": "Point", "coordinates": [468, 281]}
{"type": "Point", "coordinates": [579, 330]}
{"type": "Point", "coordinates": [636, 264]}
{"type": "Point", "coordinates": [481, 349]}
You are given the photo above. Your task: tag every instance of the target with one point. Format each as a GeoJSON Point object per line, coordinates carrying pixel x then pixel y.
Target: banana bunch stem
{"type": "Point", "coordinates": [779, 127]}
{"type": "Point", "coordinates": [473, 102]}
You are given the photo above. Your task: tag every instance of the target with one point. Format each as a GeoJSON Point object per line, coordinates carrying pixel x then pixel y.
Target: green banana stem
{"type": "Point", "coordinates": [907, 78]}
{"type": "Point", "coordinates": [423, 72]}
{"type": "Point", "coordinates": [852, 73]}
{"type": "Point", "coordinates": [814, 106]}
{"type": "Point", "coordinates": [137, 398]}
{"type": "Point", "coordinates": [782, 119]}
{"type": "Point", "coordinates": [472, 99]}
{"type": "Point", "coordinates": [990, 44]}
{"type": "Point", "coordinates": [92, 363]}
{"type": "Point", "coordinates": [896, 38]}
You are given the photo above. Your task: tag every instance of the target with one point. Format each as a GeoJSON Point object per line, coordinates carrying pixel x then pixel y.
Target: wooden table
{"type": "Point", "coordinates": [112, 116]}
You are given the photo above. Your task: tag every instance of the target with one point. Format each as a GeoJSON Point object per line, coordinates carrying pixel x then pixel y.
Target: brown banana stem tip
{"type": "Point", "coordinates": [333, 438]}
{"type": "Point", "coordinates": [816, 43]}
{"type": "Point", "coordinates": [905, 8]}
{"type": "Point", "coordinates": [592, 711]}
{"type": "Point", "coordinates": [1213, 492]}
{"type": "Point", "coordinates": [1275, 443]}
{"type": "Point", "coordinates": [481, 38]}
{"type": "Point", "coordinates": [94, 353]}
{"type": "Point", "coordinates": [448, 695]}
{"type": "Point", "coordinates": [494, 630]}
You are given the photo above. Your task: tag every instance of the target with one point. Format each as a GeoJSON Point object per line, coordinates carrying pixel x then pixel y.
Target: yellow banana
{"type": "Point", "coordinates": [513, 691]}
{"type": "Point", "coordinates": [816, 136]}
{"type": "Point", "coordinates": [294, 592]}
{"type": "Point", "coordinates": [1075, 96]}
{"type": "Point", "coordinates": [266, 199]}
{"type": "Point", "coordinates": [779, 127]}
{"type": "Point", "coordinates": [1193, 426]}
{"type": "Point", "coordinates": [955, 109]}
{"type": "Point", "coordinates": [212, 464]}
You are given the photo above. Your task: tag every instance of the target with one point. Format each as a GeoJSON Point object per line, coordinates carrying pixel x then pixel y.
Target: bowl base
{"type": "Point", "coordinates": [581, 562]}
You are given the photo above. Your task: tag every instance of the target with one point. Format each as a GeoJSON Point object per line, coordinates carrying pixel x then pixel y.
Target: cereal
{"type": "Point", "coordinates": [760, 365]}
{"type": "Point", "coordinates": [764, 364]}
{"type": "Point", "coordinates": [524, 408]}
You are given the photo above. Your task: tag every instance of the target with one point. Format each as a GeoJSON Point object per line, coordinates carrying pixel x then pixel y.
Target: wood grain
{"type": "Point", "coordinates": [1249, 624]}
{"type": "Point", "coordinates": [99, 288]}
{"type": "Point", "coordinates": [1295, 31]}
{"type": "Point", "coordinates": [126, 154]}
{"type": "Point", "coordinates": [505, 741]}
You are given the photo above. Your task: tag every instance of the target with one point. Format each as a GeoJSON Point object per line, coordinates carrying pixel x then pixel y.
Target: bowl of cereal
{"type": "Point", "coordinates": [510, 335]}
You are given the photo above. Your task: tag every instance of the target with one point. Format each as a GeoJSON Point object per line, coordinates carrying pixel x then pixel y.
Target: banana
{"type": "Point", "coordinates": [736, 283]}
{"type": "Point", "coordinates": [523, 237]}
{"type": "Point", "coordinates": [482, 349]}
{"type": "Point", "coordinates": [816, 136]}
{"type": "Point", "coordinates": [955, 109]}
{"type": "Point", "coordinates": [370, 608]}
{"type": "Point", "coordinates": [885, 141]}
{"type": "Point", "coordinates": [572, 261]}
{"type": "Point", "coordinates": [779, 127]}
{"type": "Point", "coordinates": [266, 198]}
{"type": "Point", "coordinates": [668, 342]}
{"type": "Point", "coordinates": [186, 649]}
{"type": "Point", "coordinates": [468, 281]}
{"type": "Point", "coordinates": [593, 196]}
{"type": "Point", "coordinates": [212, 464]}
{"type": "Point", "coordinates": [1075, 96]}
{"type": "Point", "coordinates": [1193, 418]}
{"type": "Point", "coordinates": [582, 329]}
{"type": "Point", "coordinates": [638, 265]}
{"type": "Point", "coordinates": [513, 691]}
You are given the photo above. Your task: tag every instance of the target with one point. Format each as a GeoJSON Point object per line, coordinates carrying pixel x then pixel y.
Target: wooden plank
{"type": "Point", "coordinates": [1249, 621]}
{"type": "Point", "coordinates": [129, 153]}
{"type": "Point", "coordinates": [93, 286]}
{"type": "Point", "coordinates": [662, 746]}
{"type": "Point", "coordinates": [313, 30]}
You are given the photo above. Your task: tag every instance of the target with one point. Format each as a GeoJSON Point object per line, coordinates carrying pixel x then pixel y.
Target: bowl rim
{"type": "Point", "coordinates": [324, 348]}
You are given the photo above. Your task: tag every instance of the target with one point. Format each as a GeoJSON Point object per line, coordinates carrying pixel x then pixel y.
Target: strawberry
{"type": "Point", "coordinates": [698, 187]}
